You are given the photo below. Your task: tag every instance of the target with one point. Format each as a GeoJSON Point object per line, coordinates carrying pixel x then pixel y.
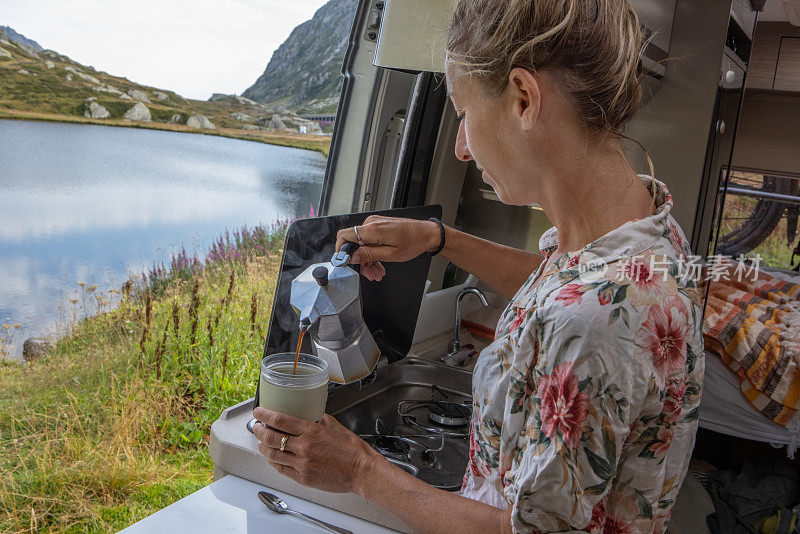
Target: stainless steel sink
{"type": "Point", "coordinates": [408, 375]}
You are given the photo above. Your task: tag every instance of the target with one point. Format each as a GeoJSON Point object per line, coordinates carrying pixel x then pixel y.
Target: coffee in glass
{"type": "Point", "coordinates": [301, 393]}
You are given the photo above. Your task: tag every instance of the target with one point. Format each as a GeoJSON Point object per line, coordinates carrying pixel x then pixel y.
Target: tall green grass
{"type": "Point", "coordinates": [112, 425]}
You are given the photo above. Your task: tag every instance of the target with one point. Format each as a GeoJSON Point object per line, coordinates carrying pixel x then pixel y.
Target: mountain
{"type": "Point", "coordinates": [304, 73]}
{"type": "Point", "coordinates": [10, 35]}
{"type": "Point", "coordinates": [43, 84]}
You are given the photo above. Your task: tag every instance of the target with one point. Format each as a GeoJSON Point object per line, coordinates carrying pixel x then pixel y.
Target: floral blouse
{"type": "Point", "coordinates": [585, 405]}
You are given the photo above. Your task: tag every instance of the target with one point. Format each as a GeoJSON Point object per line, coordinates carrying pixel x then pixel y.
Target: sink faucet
{"type": "Point", "coordinates": [458, 356]}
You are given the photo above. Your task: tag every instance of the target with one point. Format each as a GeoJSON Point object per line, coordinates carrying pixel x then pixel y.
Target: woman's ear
{"type": "Point", "coordinates": [525, 92]}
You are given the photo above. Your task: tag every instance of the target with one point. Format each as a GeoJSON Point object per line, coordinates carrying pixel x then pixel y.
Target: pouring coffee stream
{"type": "Point", "coordinates": [303, 328]}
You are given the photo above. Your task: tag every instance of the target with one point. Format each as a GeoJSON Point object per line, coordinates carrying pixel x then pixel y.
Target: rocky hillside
{"type": "Point", "coordinates": [305, 72]}
{"type": "Point", "coordinates": [38, 83]}
{"type": "Point", "coordinates": [24, 42]}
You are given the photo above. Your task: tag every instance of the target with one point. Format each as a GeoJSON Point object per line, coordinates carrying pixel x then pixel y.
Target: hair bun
{"type": "Point", "coordinates": [593, 48]}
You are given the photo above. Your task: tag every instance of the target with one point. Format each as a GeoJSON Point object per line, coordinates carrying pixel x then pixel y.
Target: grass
{"type": "Point", "coordinates": [113, 425]}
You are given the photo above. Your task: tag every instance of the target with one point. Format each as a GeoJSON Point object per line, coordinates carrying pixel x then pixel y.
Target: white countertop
{"type": "Point", "coordinates": [231, 504]}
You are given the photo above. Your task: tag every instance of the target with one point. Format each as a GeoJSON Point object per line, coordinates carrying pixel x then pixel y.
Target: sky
{"type": "Point", "coordinates": [193, 47]}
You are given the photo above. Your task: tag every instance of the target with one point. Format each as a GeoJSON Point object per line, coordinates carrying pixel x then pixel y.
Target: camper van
{"type": "Point", "coordinates": [719, 120]}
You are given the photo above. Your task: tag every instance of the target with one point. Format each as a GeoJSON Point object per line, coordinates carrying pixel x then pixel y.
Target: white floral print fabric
{"type": "Point", "coordinates": [585, 405]}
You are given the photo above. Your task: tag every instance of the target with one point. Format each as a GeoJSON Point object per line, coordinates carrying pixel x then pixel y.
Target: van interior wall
{"type": "Point", "coordinates": [768, 138]}
{"type": "Point", "coordinates": [516, 226]}
{"type": "Point", "coordinates": [445, 184]}
{"type": "Point", "coordinates": [674, 126]}
{"type": "Point", "coordinates": [773, 60]}
{"type": "Point", "coordinates": [470, 205]}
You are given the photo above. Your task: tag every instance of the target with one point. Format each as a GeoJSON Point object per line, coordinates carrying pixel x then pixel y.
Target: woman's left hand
{"type": "Point", "coordinates": [323, 455]}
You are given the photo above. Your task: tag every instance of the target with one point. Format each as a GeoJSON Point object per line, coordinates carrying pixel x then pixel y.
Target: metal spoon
{"type": "Point", "coordinates": [276, 504]}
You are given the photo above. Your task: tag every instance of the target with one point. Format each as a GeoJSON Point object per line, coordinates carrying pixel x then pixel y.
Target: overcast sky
{"type": "Point", "coordinates": [193, 47]}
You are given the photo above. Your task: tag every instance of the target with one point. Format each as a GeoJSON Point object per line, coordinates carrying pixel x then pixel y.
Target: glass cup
{"type": "Point", "coordinates": [303, 394]}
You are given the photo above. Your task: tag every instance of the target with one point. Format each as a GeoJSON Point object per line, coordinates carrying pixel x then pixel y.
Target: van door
{"type": "Point", "coordinates": [369, 122]}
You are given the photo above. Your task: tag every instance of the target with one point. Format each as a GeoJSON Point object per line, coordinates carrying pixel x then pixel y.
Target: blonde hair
{"type": "Point", "coordinates": [592, 48]}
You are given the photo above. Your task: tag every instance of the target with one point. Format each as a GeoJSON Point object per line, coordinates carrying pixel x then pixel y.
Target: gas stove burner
{"type": "Point", "coordinates": [392, 447]}
{"type": "Point", "coordinates": [450, 419]}
{"type": "Point", "coordinates": [449, 413]}
{"type": "Point", "coordinates": [399, 447]}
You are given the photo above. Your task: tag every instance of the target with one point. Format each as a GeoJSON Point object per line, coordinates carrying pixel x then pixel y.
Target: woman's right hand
{"type": "Point", "coordinates": [389, 239]}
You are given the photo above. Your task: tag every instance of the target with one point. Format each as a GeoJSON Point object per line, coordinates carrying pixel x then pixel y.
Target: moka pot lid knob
{"type": "Point", "coordinates": [320, 274]}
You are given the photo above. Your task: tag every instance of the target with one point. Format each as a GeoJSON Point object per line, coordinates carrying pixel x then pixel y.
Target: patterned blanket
{"type": "Point", "coordinates": [754, 326]}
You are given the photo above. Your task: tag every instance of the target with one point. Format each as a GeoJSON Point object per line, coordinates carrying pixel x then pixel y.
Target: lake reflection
{"type": "Point", "coordinates": [94, 204]}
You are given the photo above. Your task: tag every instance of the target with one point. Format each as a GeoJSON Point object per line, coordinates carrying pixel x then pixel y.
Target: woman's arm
{"type": "Point", "coordinates": [425, 508]}
{"type": "Point", "coordinates": [503, 268]}
{"type": "Point", "coordinates": [393, 239]}
{"type": "Point", "coordinates": [329, 457]}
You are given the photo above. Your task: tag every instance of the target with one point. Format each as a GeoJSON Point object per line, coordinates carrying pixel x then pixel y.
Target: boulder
{"type": "Point", "coordinates": [123, 96]}
{"type": "Point", "coordinates": [69, 77]}
{"type": "Point", "coordinates": [289, 122]}
{"type": "Point", "coordinates": [82, 75]}
{"type": "Point", "coordinates": [107, 89]}
{"type": "Point", "coordinates": [243, 100]}
{"type": "Point", "coordinates": [35, 348]}
{"type": "Point", "coordinates": [200, 121]}
{"type": "Point", "coordinates": [160, 95]}
{"type": "Point", "coordinates": [90, 99]}
{"type": "Point", "coordinates": [96, 111]}
{"type": "Point", "coordinates": [307, 126]}
{"type": "Point", "coordinates": [49, 64]}
{"type": "Point", "coordinates": [5, 53]}
{"type": "Point", "coordinates": [233, 99]}
{"type": "Point", "coordinates": [276, 122]}
{"type": "Point", "coordinates": [23, 71]}
{"type": "Point", "coordinates": [138, 95]}
{"type": "Point", "coordinates": [242, 117]}
{"type": "Point", "coordinates": [176, 118]}
{"type": "Point", "coordinates": [138, 112]}
{"type": "Point", "coordinates": [250, 127]}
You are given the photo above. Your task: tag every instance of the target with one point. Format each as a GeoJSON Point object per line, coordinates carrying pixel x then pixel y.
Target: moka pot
{"type": "Point", "coordinates": [327, 299]}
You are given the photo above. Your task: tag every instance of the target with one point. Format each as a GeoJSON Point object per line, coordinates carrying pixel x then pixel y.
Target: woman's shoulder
{"type": "Point", "coordinates": [615, 296]}
{"type": "Point", "coordinates": [618, 303]}
{"type": "Point", "coordinates": [596, 284]}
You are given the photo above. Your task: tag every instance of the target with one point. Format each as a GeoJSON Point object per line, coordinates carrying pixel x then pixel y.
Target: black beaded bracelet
{"type": "Point", "coordinates": [441, 231]}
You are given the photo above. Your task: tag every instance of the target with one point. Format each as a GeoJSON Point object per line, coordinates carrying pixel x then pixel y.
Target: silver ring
{"type": "Point", "coordinates": [284, 439]}
{"type": "Point", "coordinates": [355, 229]}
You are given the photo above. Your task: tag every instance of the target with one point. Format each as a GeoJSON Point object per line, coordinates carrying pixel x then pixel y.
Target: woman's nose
{"type": "Point", "coordinates": [462, 150]}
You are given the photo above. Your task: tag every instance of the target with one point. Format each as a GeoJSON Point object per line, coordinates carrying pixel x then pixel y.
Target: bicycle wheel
{"type": "Point", "coordinates": [747, 221]}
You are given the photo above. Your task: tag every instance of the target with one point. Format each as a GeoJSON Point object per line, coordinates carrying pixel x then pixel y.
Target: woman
{"type": "Point", "coordinates": [585, 405]}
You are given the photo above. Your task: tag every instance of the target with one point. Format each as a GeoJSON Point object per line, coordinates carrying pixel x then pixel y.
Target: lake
{"type": "Point", "coordinates": [95, 204]}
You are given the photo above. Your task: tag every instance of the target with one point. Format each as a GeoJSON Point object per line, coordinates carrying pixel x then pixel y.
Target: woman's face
{"type": "Point", "coordinates": [489, 134]}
